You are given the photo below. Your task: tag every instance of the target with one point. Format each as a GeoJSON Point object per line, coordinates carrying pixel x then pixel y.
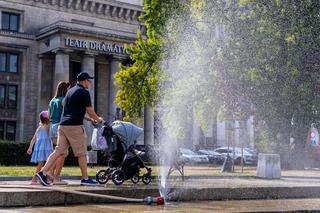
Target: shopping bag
{"type": "Point", "coordinates": [98, 141]}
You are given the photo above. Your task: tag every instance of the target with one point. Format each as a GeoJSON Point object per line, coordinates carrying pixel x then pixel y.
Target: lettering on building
{"type": "Point", "coordinates": [97, 46]}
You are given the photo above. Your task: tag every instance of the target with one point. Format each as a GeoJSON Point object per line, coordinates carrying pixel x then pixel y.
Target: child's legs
{"type": "Point", "coordinates": [38, 168]}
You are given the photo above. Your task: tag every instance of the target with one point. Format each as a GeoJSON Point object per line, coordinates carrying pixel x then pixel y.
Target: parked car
{"type": "Point", "coordinates": [191, 157]}
{"type": "Point", "coordinates": [248, 157]}
{"type": "Point", "coordinates": [214, 157]}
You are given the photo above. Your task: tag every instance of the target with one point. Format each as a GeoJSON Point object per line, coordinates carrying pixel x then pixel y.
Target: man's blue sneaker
{"type": "Point", "coordinates": [42, 178]}
{"type": "Point", "coordinates": [88, 182]}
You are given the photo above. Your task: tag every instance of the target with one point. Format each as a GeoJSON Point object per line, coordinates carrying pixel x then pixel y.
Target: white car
{"type": "Point", "coordinates": [248, 157]}
{"type": "Point", "coordinates": [191, 157]}
{"type": "Point", "coordinates": [214, 157]}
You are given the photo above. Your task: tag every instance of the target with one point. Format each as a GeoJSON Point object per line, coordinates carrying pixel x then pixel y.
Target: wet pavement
{"type": "Point", "coordinates": [197, 190]}
{"type": "Point", "coordinates": [288, 205]}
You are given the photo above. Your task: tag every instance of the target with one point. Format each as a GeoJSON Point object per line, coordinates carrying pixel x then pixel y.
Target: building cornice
{"type": "Point", "coordinates": [71, 28]}
{"type": "Point", "coordinates": [16, 35]}
{"type": "Point", "coordinates": [108, 8]}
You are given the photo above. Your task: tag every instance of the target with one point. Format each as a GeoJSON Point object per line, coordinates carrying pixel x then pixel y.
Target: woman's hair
{"type": "Point", "coordinates": [65, 89]}
{"type": "Point", "coordinates": [61, 89]}
{"type": "Point", "coordinates": [44, 118]}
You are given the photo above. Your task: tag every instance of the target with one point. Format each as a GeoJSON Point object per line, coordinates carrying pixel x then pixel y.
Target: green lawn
{"type": "Point", "coordinates": [75, 171]}
{"type": "Point", "coordinates": [29, 171]}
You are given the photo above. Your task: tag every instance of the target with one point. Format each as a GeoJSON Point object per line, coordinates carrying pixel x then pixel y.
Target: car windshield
{"type": "Point", "coordinates": [187, 151]}
{"type": "Point", "coordinates": [250, 151]}
{"type": "Point", "coordinates": [211, 152]}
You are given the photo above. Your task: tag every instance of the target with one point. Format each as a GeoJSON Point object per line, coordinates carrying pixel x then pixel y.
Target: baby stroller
{"type": "Point", "coordinates": [124, 162]}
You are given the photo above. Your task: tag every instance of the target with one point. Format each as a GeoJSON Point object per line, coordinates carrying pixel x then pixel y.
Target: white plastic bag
{"type": "Point", "coordinates": [98, 141]}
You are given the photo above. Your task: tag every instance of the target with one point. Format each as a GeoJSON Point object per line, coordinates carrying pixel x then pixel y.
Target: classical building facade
{"type": "Point", "coordinates": [45, 41]}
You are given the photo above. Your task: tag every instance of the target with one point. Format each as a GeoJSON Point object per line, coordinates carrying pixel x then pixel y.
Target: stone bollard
{"type": "Point", "coordinates": [269, 166]}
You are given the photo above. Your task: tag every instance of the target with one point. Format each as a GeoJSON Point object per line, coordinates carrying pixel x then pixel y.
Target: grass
{"type": "Point", "coordinates": [196, 170]}
{"type": "Point", "coordinates": [29, 171]}
{"type": "Point", "coordinates": [75, 171]}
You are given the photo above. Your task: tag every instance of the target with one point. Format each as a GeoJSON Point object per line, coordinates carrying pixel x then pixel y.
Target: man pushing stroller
{"type": "Point", "coordinates": [71, 131]}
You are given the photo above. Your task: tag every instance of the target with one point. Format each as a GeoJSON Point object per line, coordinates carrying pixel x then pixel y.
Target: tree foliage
{"type": "Point", "coordinates": [138, 83]}
{"type": "Point", "coordinates": [265, 62]}
{"type": "Point", "coordinates": [272, 47]}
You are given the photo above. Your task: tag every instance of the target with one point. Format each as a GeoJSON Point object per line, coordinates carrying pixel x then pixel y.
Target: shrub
{"type": "Point", "coordinates": [15, 153]}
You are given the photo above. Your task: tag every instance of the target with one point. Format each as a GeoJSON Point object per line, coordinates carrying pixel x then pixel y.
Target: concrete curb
{"type": "Point", "coordinates": [27, 197]}
{"type": "Point", "coordinates": [33, 197]}
{"type": "Point", "coordinates": [244, 193]}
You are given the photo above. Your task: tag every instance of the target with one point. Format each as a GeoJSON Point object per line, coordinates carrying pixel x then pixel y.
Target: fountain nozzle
{"type": "Point", "coordinates": [158, 200]}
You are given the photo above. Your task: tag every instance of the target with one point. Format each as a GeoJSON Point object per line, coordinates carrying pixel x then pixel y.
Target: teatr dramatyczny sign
{"type": "Point", "coordinates": [93, 45]}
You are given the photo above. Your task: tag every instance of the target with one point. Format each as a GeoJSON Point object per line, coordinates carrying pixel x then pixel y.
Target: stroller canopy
{"type": "Point", "coordinates": [126, 131]}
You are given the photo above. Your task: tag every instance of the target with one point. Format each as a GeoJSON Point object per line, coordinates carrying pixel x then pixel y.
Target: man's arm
{"type": "Point", "coordinates": [93, 114]}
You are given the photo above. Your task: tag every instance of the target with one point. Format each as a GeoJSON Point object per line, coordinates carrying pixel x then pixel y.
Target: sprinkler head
{"type": "Point", "coordinates": [158, 200]}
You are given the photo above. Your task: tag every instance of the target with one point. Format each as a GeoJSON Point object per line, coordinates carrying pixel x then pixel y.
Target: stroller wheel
{"type": "Point", "coordinates": [146, 178]}
{"type": "Point", "coordinates": [102, 176]}
{"type": "Point", "coordinates": [118, 177]}
{"type": "Point", "coordinates": [135, 178]}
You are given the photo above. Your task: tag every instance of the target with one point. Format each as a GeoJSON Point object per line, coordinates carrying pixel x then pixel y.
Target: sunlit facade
{"type": "Point", "coordinates": [45, 41]}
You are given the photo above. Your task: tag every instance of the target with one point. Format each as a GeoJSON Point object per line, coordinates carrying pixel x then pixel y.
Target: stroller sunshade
{"type": "Point", "coordinates": [126, 131]}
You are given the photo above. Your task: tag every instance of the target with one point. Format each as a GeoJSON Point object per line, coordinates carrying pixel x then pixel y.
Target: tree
{"type": "Point", "coordinates": [138, 83]}
{"type": "Point", "coordinates": [265, 62]}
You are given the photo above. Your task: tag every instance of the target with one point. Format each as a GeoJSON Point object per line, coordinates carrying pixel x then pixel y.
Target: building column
{"type": "Point", "coordinates": [61, 68]}
{"type": "Point", "coordinates": [114, 68]}
{"type": "Point", "coordinates": [40, 65]}
{"type": "Point", "coordinates": [148, 125]}
{"type": "Point", "coordinates": [88, 66]}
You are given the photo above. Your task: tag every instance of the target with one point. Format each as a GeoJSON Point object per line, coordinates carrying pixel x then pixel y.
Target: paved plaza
{"type": "Point", "coordinates": [203, 191]}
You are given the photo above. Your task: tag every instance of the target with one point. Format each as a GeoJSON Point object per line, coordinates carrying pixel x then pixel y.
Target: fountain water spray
{"type": "Point", "coordinates": [188, 94]}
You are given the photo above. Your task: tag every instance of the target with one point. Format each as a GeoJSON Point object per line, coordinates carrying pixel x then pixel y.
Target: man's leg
{"type": "Point", "coordinates": [58, 168]}
{"type": "Point", "coordinates": [51, 161]}
{"type": "Point", "coordinates": [60, 150]}
{"type": "Point", "coordinates": [78, 141]}
{"type": "Point", "coordinates": [83, 166]}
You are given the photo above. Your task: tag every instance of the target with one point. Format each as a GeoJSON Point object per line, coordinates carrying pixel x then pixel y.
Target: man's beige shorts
{"type": "Point", "coordinates": [74, 136]}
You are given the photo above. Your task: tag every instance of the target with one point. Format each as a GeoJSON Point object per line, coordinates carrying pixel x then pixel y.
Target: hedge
{"type": "Point", "coordinates": [15, 153]}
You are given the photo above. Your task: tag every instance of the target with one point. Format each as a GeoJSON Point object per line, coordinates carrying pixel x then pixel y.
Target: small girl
{"type": "Point", "coordinates": [42, 144]}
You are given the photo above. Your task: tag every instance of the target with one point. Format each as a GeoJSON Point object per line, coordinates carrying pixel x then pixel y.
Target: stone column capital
{"type": "Point", "coordinates": [118, 58]}
{"type": "Point", "coordinates": [41, 56]}
{"type": "Point", "coordinates": [89, 54]}
{"type": "Point", "coordinates": [62, 51]}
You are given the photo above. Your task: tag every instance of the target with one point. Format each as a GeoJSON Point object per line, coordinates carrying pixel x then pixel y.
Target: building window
{"type": "Point", "coordinates": [10, 21]}
{"type": "Point", "coordinates": [3, 62]}
{"type": "Point", "coordinates": [11, 130]}
{"type": "Point", "coordinates": [8, 96]}
{"type": "Point", "coordinates": [8, 130]}
{"type": "Point", "coordinates": [13, 63]}
{"type": "Point", "coordinates": [2, 95]}
{"type": "Point", "coordinates": [12, 97]}
{"type": "Point", "coordinates": [9, 62]}
{"type": "Point", "coordinates": [1, 130]}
